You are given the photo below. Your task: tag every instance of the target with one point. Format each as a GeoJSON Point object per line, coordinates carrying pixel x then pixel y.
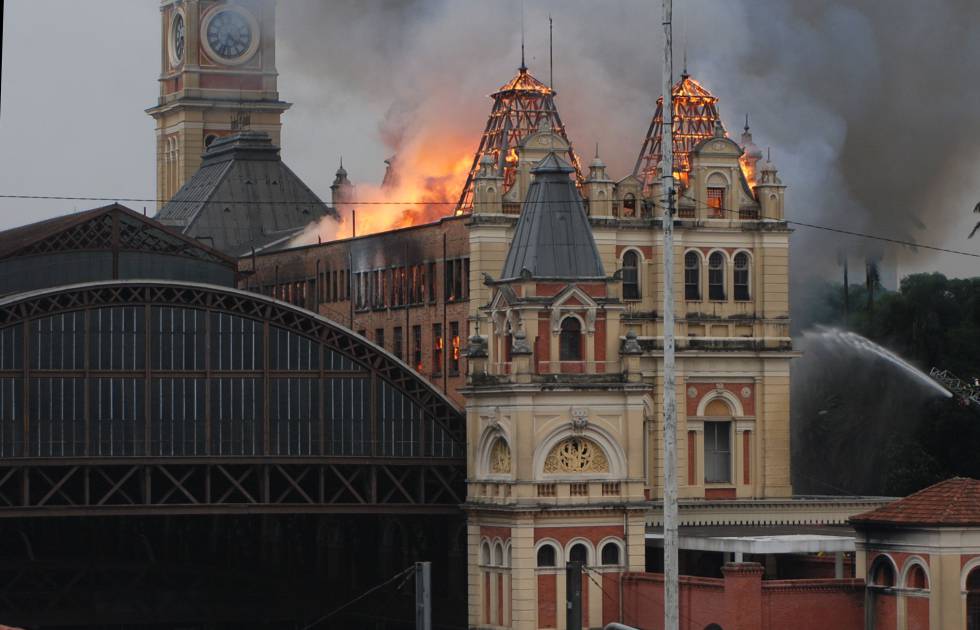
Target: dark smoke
{"type": "Point", "coordinates": [869, 106]}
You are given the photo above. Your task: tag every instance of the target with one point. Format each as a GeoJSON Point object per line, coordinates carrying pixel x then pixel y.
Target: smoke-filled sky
{"type": "Point", "coordinates": [869, 107]}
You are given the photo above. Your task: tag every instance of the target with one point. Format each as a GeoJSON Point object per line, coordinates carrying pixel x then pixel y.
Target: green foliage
{"type": "Point", "coordinates": [880, 439]}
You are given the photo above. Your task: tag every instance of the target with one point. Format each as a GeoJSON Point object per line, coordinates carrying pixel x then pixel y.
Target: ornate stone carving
{"type": "Point", "coordinates": [576, 455]}
{"type": "Point", "coordinates": [580, 419]}
{"type": "Point", "coordinates": [500, 457]}
{"type": "Point", "coordinates": [746, 392]}
{"type": "Point", "coordinates": [692, 392]}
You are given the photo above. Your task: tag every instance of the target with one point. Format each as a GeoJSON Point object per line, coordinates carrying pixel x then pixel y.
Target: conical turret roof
{"type": "Point", "coordinates": [553, 238]}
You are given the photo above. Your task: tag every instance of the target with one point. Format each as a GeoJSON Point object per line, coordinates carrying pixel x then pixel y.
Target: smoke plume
{"type": "Point", "coordinates": [868, 106]}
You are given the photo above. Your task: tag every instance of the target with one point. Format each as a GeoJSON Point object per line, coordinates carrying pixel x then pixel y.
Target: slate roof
{"type": "Point", "coordinates": [553, 238]}
{"type": "Point", "coordinates": [951, 503]}
{"type": "Point", "coordinates": [243, 196]}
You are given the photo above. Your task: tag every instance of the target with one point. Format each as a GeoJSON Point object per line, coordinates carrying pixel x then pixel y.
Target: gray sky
{"type": "Point", "coordinates": [843, 91]}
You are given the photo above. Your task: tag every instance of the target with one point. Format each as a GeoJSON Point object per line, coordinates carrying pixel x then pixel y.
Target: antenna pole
{"type": "Point", "coordinates": [671, 609]}
{"type": "Point", "coordinates": [551, 52]}
{"type": "Point", "coordinates": [523, 65]}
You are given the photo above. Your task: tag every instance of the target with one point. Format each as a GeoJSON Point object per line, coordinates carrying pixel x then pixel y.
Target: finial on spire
{"type": "Point", "coordinates": [768, 154]}
{"type": "Point", "coordinates": [684, 72]}
{"type": "Point", "coordinates": [746, 122]}
{"type": "Point", "coordinates": [597, 150]}
{"type": "Point", "coordinates": [523, 65]}
{"type": "Point", "coordinates": [341, 160]}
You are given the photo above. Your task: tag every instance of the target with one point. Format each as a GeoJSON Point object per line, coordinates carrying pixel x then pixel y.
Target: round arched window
{"type": "Point", "coordinates": [578, 553]}
{"type": "Point", "coordinates": [631, 276]}
{"type": "Point", "coordinates": [546, 556]}
{"type": "Point", "coordinates": [610, 554]}
{"type": "Point", "coordinates": [716, 276]}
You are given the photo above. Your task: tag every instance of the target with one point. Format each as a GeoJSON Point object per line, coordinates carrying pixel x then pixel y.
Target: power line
{"type": "Point", "coordinates": [836, 230]}
{"type": "Point", "coordinates": [406, 573]}
{"type": "Point", "coordinates": [239, 202]}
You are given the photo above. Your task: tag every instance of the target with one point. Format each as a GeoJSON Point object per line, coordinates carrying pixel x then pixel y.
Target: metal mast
{"type": "Point", "coordinates": [671, 601]}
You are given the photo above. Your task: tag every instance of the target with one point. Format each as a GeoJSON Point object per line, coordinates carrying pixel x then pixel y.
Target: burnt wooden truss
{"type": "Point", "coordinates": [695, 117]}
{"type": "Point", "coordinates": [520, 109]}
{"type": "Point", "coordinates": [423, 470]}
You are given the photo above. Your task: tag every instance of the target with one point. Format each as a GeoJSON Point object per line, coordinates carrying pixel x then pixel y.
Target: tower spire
{"type": "Point", "coordinates": [523, 65]}
{"type": "Point", "coordinates": [746, 122]}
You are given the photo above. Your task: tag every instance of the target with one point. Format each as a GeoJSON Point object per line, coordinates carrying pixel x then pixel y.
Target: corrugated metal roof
{"type": "Point", "coordinates": [553, 238]}
{"type": "Point", "coordinates": [243, 197]}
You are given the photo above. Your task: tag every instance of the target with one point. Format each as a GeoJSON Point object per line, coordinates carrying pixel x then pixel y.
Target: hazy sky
{"type": "Point", "coordinates": [844, 91]}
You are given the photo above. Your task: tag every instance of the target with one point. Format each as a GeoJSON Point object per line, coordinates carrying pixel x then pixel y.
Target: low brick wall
{"type": "Point", "coordinates": [742, 600]}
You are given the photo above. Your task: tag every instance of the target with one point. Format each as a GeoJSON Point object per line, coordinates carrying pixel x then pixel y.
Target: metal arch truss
{"type": "Point", "coordinates": [235, 302]}
{"type": "Point", "coordinates": [37, 488]}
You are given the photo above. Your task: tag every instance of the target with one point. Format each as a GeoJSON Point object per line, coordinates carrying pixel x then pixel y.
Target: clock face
{"type": "Point", "coordinates": [229, 34]}
{"type": "Point", "coordinates": [177, 38]}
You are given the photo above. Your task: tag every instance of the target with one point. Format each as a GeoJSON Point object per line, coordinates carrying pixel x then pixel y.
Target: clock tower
{"type": "Point", "coordinates": [218, 76]}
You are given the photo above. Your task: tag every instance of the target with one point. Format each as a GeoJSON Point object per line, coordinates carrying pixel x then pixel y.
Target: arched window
{"type": "Point", "coordinates": [973, 600]}
{"type": "Point", "coordinates": [916, 577]}
{"type": "Point", "coordinates": [579, 553]}
{"type": "Point", "coordinates": [498, 555]}
{"type": "Point", "coordinates": [629, 205]}
{"type": "Point", "coordinates": [692, 276]}
{"type": "Point", "coordinates": [610, 553]}
{"type": "Point", "coordinates": [570, 340]}
{"type": "Point", "coordinates": [712, 626]}
{"type": "Point", "coordinates": [716, 276]}
{"type": "Point", "coordinates": [631, 276]}
{"type": "Point", "coordinates": [741, 276]}
{"type": "Point", "coordinates": [546, 556]}
{"type": "Point", "coordinates": [882, 573]}
{"type": "Point", "coordinates": [485, 554]}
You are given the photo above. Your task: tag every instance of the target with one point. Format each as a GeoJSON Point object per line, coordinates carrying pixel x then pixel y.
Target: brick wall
{"type": "Point", "coordinates": [325, 278]}
{"type": "Point", "coordinates": [742, 600]}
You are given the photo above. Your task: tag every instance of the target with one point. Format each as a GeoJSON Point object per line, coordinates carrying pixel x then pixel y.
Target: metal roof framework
{"type": "Point", "coordinates": [408, 456]}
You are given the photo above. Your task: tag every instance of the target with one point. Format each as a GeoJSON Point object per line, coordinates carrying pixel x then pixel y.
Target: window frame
{"type": "Point", "coordinates": [564, 336]}
{"type": "Point", "coordinates": [695, 295]}
{"type": "Point", "coordinates": [742, 291]}
{"type": "Point", "coordinates": [631, 276]}
{"type": "Point", "coordinates": [717, 289]}
{"type": "Point", "coordinates": [710, 455]}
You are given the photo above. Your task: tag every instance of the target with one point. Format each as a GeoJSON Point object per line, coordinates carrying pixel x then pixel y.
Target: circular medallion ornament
{"type": "Point", "coordinates": [746, 392]}
{"type": "Point", "coordinates": [230, 35]}
{"type": "Point", "coordinates": [692, 392]}
{"type": "Point", "coordinates": [177, 39]}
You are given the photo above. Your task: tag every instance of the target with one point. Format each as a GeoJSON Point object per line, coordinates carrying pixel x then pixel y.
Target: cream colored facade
{"type": "Point", "coordinates": [205, 94]}
{"type": "Point", "coordinates": [733, 369]}
{"type": "Point", "coordinates": [947, 555]}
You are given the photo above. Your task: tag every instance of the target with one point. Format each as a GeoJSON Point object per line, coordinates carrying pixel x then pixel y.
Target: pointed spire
{"type": "Point", "coordinates": [746, 122]}
{"type": "Point", "coordinates": [523, 65]}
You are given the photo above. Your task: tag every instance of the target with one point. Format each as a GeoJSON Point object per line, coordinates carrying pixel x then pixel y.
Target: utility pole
{"type": "Point", "coordinates": [423, 596]}
{"type": "Point", "coordinates": [573, 596]}
{"type": "Point", "coordinates": [671, 600]}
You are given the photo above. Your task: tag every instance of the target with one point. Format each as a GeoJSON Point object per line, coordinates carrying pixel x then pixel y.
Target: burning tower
{"type": "Point", "coordinates": [695, 117]}
{"type": "Point", "coordinates": [522, 107]}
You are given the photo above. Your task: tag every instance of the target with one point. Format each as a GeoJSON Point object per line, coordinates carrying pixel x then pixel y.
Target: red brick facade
{"type": "Point", "coordinates": [406, 290]}
{"type": "Point", "coordinates": [742, 600]}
